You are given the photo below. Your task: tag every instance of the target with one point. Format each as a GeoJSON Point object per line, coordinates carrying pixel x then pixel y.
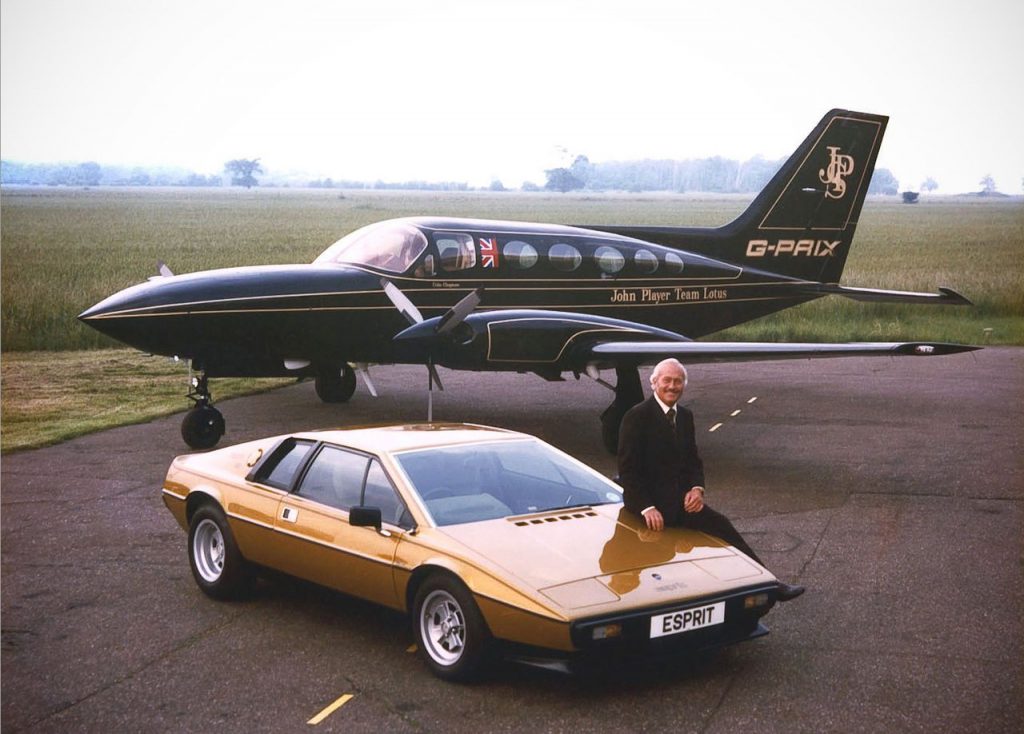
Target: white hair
{"type": "Point", "coordinates": [666, 362]}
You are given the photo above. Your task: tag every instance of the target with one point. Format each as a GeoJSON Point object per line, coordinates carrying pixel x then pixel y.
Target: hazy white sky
{"type": "Point", "coordinates": [474, 90]}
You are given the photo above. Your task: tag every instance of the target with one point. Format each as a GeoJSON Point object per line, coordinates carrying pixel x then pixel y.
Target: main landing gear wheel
{"type": "Point", "coordinates": [451, 634]}
{"type": "Point", "coordinates": [335, 385]}
{"type": "Point", "coordinates": [203, 425]}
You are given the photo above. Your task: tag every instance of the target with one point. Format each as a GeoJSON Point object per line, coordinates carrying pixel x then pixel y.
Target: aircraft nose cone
{"type": "Point", "coordinates": [94, 311]}
{"type": "Point", "coordinates": [110, 307]}
{"type": "Point", "coordinates": [117, 316]}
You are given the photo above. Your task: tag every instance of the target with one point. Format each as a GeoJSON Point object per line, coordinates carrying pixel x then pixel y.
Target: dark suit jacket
{"type": "Point", "coordinates": [656, 468]}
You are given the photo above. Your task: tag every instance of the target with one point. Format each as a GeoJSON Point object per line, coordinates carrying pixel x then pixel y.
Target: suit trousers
{"type": "Point", "coordinates": [716, 524]}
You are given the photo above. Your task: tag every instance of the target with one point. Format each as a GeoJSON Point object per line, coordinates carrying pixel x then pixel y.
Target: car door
{"type": "Point", "coordinates": [322, 546]}
{"type": "Point", "coordinates": [271, 479]}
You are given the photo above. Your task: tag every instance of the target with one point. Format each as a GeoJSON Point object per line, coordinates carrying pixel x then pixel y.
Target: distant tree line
{"type": "Point", "coordinates": [341, 183]}
{"type": "Point", "coordinates": [717, 175]}
{"type": "Point", "coordinates": [93, 174]}
{"type": "Point", "coordinates": [713, 175]}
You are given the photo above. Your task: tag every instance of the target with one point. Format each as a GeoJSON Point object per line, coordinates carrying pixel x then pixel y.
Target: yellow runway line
{"type": "Point", "coordinates": [330, 709]}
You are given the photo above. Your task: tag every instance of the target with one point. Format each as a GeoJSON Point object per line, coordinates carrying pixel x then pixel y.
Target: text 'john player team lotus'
{"type": "Point", "coordinates": [514, 296]}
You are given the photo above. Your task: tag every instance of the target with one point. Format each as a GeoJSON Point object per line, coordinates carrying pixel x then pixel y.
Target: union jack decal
{"type": "Point", "coordinates": [489, 252]}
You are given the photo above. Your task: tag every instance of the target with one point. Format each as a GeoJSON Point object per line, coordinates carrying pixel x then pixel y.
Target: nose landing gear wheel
{"type": "Point", "coordinates": [202, 427]}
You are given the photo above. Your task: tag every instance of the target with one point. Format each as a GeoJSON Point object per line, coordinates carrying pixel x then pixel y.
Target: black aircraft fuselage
{"type": "Point", "coordinates": [545, 298]}
{"type": "Point", "coordinates": [250, 321]}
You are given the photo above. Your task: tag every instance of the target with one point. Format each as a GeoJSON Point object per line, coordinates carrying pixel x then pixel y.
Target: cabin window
{"type": "Point", "coordinates": [520, 255]}
{"type": "Point", "coordinates": [645, 261]}
{"type": "Point", "coordinates": [456, 250]}
{"type": "Point", "coordinates": [673, 263]}
{"type": "Point", "coordinates": [609, 259]}
{"type": "Point", "coordinates": [564, 257]}
{"type": "Point", "coordinates": [392, 246]}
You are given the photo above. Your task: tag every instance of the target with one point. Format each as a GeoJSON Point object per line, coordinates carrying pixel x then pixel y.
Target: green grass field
{"type": "Point", "coordinates": [64, 249]}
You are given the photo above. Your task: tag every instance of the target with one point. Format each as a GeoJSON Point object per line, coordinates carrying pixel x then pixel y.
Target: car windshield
{"type": "Point", "coordinates": [460, 484]}
{"type": "Point", "coordinates": [392, 246]}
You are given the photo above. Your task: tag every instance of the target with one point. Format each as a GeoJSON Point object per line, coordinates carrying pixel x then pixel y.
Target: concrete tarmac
{"type": "Point", "coordinates": [892, 488]}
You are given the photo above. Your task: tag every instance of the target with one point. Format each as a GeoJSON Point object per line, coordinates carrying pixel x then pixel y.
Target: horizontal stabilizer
{"type": "Point", "coordinates": [699, 352]}
{"type": "Point", "coordinates": [945, 296]}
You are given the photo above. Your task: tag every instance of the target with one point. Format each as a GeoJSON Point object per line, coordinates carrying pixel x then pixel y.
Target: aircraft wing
{"type": "Point", "coordinates": [550, 342]}
{"type": "Point", "coordinates": [693, 352]}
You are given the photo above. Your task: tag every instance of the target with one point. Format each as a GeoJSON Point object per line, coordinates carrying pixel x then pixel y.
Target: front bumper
{"type": "Point", "coordinates": [634, 641]}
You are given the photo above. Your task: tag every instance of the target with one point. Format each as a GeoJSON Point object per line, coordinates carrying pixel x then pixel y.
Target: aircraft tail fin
{"type": "Point", "coordinates": [802, 223]}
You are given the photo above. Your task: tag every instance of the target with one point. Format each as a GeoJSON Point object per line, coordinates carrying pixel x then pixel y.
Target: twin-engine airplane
{"type": "Point", "coordinates": [513, 296]}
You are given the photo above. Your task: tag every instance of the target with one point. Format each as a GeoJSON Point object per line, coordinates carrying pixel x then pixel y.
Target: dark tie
{"type": "Point", "coordinates": [671, 413]}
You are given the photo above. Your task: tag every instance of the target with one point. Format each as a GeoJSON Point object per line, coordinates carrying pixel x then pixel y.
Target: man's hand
{"type": "Point", "coordinates": [654, 519]}
{"type": "Point", "coordinates": [694, 500]}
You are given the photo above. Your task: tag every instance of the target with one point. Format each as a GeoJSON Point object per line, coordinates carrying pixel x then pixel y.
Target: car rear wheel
{"type": "Point", "coordinates": [217, 565]}
{"type": "Point", "coordinates": [450, 631]}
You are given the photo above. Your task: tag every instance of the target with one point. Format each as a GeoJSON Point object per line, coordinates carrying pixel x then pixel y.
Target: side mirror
{"type": "Point", "coordinates": [364, 517]}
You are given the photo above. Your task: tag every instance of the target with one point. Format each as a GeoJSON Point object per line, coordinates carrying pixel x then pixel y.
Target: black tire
{"type": "Point", "coordinates": [336, 385]}
{"type": "Point", "coordinates": [217, 565]}
{"type": "Point", "coordinates": [451, 635]}
{"type": "Point", "coordinates": [202, 427]}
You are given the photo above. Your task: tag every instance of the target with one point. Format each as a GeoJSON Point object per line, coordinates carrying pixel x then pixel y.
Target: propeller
{"type": "Point", "coordinates": [162, 271]}
{"type": "Point", "coordinates": [451, 319]}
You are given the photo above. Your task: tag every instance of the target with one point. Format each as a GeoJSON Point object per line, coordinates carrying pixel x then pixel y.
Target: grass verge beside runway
{"type": "Point", "coordinates": [50, 397]}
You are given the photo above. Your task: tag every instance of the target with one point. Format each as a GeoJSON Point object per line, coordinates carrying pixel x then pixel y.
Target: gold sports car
{"type": "Point", "coordinates": [491, 539]}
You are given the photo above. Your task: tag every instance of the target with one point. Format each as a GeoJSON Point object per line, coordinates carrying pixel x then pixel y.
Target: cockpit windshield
{"type": "Point", "coordinates": [392, 246]}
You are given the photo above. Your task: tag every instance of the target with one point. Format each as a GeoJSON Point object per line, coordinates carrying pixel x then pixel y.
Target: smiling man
{"type": "Point", "coordinates": [661, 469]}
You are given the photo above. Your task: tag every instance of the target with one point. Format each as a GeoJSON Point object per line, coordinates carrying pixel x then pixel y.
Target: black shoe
{"type": "Point", "coordinates": [788, 592]}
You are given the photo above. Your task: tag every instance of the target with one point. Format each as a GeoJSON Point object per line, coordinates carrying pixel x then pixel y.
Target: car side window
{"type": "Point", "coordinates": [381, 493]}
{"type": "Point", "coordinates": [335, 478]}
{"type": "Point", "coordinates": [280, 468]}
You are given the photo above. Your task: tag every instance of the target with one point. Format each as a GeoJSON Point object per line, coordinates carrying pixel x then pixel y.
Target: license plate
{"type": "Point", "coordinates": [685, 620]}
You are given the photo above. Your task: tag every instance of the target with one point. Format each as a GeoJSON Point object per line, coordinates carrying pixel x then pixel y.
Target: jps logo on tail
{"type": "Point", "coordinates": [839, 167]}
{"type": "Point", "coordinates": [808, 248]}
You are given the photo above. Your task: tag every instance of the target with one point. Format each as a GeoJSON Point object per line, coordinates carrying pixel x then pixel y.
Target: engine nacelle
{"type": "Point", "coordinates": [519, 340]}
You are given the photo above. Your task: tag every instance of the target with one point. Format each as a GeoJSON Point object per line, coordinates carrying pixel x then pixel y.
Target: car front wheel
{"type": "Point", "coordinates": [217, 565]}
{"type": "Point", "coordinates": [450, 631]}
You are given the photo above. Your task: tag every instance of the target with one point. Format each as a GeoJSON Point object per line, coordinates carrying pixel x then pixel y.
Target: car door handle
{"type": "Point", "coordinates": [289, 514]}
